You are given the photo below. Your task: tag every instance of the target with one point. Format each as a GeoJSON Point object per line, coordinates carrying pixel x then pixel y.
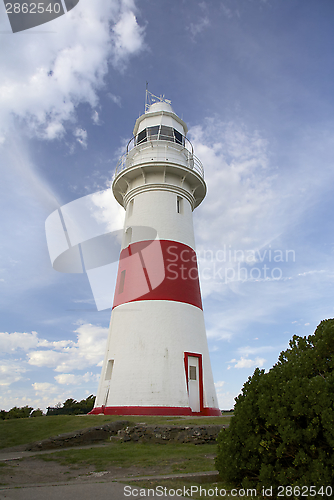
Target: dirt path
{"type": "Point", "coordinates": [31, 469]}
{"type": "Point", "coordinates": [34, 470]}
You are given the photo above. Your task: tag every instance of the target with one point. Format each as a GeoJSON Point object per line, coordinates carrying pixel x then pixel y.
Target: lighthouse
{"type": "Point", "coordinates": [157, 359]}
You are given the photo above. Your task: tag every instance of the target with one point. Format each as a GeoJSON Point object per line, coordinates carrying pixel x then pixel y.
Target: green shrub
{"type": "Point", "coordinates": [282, 432]}
{"type": "Point", "coordinates": [73, 407]}
{"type": "Point", "coordinates": [16, 412]}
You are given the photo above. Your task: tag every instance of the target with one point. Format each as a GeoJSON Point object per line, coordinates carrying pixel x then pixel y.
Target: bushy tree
{"type": "Point", "coordinates": [16, 412]}
{"type": "Point", "coordinates": [282, 432]}
{"type": "Point", "coordinates": [73, 407]}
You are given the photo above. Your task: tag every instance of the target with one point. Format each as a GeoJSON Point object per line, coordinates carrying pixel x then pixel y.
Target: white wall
{"type": "Point", "coordinates": [147, 341]}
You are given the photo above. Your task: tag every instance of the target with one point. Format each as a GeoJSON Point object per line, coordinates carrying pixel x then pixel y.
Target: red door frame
{"type": "Point", "coordinates": [200, 376]}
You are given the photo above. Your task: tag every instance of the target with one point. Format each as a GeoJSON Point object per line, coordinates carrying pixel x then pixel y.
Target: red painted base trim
{"type": "Point", "coordinates": [154, 410]}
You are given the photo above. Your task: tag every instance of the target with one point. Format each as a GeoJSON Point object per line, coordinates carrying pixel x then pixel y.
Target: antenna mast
{"type": "Point", "coordinates": [151, 99]}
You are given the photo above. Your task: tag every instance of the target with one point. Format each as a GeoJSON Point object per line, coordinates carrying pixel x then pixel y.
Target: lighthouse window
{"type": "Point", "coordinates": [109, 369]}
{"type": "Point", "coordinates": [179, 204]}
{"type": "Point", "coordinates": [178, 137]}
{"type": "Point", "coordinates": [131, 208]}
{"type": "Point", "coordinates": [161, 132]}
{"type": "Point", "coordinates": [153, 132]}
{"type": "Point", "coordinates": [192, 373]}
{"type": "Point", "coordinates": [121, 282]}
{"type": "Point", "coordinates": [141, 137]}
{"type": "Point", "coordinates": [166, 133]}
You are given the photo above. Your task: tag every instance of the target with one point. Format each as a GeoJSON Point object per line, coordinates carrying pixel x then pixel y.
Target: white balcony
{"type": "Point", "coordinates": [159, 151]}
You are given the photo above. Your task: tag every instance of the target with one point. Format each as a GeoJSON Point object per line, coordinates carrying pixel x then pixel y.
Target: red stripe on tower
{"type": "Point", "coordinates": [158, 270]}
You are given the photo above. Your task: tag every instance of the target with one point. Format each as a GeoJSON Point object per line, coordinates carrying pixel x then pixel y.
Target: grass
{"type": "Point", "coordinates": [173, 457]}
{"type": "Point", "coordinates": [27, 430]}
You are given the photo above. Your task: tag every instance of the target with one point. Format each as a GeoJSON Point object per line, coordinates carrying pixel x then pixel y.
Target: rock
{"type": "Point", "coordinates": [123, 430]}
{"type": "Point", "coordinates": [79, 438]}
{"type": "Point", "coordinates": [161, 434]}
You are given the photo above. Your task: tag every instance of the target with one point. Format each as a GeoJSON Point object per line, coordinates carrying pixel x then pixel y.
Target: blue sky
{"type": "Point", "coordinates": [253, 80]}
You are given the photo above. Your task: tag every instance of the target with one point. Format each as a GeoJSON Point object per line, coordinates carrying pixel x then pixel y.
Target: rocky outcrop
{"type": "Point", "coordinates": [125, 431]}
{"type": "Point", "coordinates": [197, 434]}
{"type": "Point", "coordinates": [79, 438]}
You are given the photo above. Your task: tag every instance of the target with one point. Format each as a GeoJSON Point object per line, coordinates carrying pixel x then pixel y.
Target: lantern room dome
{"type": "Point", "coordinates": [160, 106]}
{"type": "Point", "coordinates": [160, 113]}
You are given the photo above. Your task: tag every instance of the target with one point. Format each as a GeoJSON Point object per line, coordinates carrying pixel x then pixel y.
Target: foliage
{"type": "Point", "coordinates": [16, 412]}
{"type": "Point", "coordinates": [73, 407]}
{"type": "Point", "coordinates": [37, 413]}
{"type": "Point", "coordinates": [282, 432]}
{"type": "Point", "coordinates": [69, 407]}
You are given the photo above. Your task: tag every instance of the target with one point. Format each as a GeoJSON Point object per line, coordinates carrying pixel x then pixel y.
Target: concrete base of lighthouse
{"type": "Point", "coordinates": [157, 362]}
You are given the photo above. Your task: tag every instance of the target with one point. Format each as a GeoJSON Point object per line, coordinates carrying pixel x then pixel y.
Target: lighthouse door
{"type": "Point", "coordinates": [193, 383]}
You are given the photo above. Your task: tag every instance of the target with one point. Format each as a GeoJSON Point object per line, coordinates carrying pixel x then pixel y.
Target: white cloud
{"type": "Point", "coordinates": [71, 379]}
{"type": "Point", "coordinates": [220, 333]}
{"type": "Point", "coordinates": [115, 98]}
{"type": "Point", "coordinates": [81, 136]}
{"type": "Point", "coordinates": [240, 200]}
{"type": "Point", "coordinates": [127, 38]}
{"type": "Point", "coordinates": [239, 215]}
{"type": "Point", "coordinates": [196, 28]}
{"type": "Point", "coordinates": [91, 342]}
{"type": "Point", "coordinates": [247, 363]}
{"type": "Point", "coordinates": [225, 398]}
{"type": "Point", "coordinates": [247, 350]}
{"type": "Point", "coordinates": [43, 78]}
{"type": "Point", "coordinates": [108, 212]}
{"type": "Point", "coordinates": [64, 356]}
{"type": "Point", "coordinates": [10, 342]}
{"type": "Point", "coordinates": [250, 206]}
{"type": "Point", "coordinates": [44, 387]}
{"type": "Point", "coordinates": [11, 371]}
{"type": "Point", "coordinates": [96, 118]}
{"type": "Point", "coordinates": [307, 273]}
{"type": "Point", "coordinates": [49, 358]}
{"type": "Point", "coordinates": [245, 309]}
{"type": "Point", "coordinates": [61, 355]}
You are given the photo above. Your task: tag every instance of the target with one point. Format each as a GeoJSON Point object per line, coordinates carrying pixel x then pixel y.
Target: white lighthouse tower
{"type": "Point", "coordinates": [157, 360]}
